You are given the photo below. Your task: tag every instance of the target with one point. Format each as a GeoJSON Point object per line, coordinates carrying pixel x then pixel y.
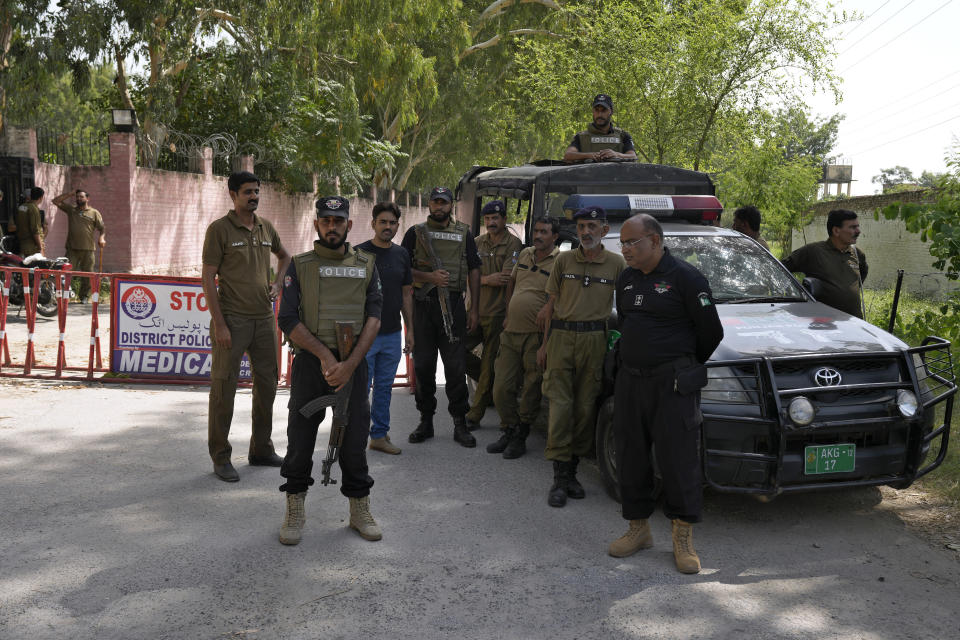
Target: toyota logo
{"type": "Point", "coordinates": [827, 377]}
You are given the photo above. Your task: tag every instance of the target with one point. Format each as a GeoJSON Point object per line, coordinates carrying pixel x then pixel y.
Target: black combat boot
{"type": "Point", "coordinates": [574, 488]}
{"type": "Point", "coordinates": [423, 431]}
{"type": "Point", "coordinates": [518, 443]}
{"type": "Point", "coordinates": [462, 434]}
{"type": "Point", "coordinates": [506, 434]}
{"type": "Point", "coordinates": [558, 492]}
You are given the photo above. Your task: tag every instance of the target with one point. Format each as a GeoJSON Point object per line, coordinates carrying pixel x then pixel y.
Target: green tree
{"type": "Point", "coordinates": [894, 177]}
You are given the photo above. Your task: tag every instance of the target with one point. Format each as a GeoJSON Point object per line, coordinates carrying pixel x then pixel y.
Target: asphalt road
{"type": "Point", "coordinates": [114, 526]}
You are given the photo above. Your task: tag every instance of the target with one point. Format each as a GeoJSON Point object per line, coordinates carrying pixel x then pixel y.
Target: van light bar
{"type": "Point", "coordinates": [692, 208]}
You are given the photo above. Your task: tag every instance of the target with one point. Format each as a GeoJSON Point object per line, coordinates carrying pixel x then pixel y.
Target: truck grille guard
{"type": "Point", "coordinates": [926, 370]}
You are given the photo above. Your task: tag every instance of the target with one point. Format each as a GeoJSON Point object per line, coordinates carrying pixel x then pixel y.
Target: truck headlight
{"type": "Point", "coordinates": [801, 411]}
{"type": "Point", "coordinates": [724, 386]}
{"type": "Point", "coordinates": [907, 403]}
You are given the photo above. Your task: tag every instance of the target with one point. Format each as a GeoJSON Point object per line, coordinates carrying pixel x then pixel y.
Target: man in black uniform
{"type": "Point", "coordinates": [669, 327]}
{"type": "Point", "coordinates": [601, 141]}
{"type": "Point", "coordinates": [454, 245]}
{"type": "Point", "coordinates": [334, 282]}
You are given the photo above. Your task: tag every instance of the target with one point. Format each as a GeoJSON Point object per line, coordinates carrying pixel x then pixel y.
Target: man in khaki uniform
{"type": "Point", "coordinates": [499, 250]}
{"type": "Point", "coordinates": [237, 249]}
{"type": "Point", "coordinates": [601, 141]}
{"type": "Point", "coordinates": [29, 224]}
{"type": "Point", "coordinates": [82, 221]}
{"type": "Point", "coordinates": [516, 363]}
{"type": "Point", "coordinates": [581, 289]}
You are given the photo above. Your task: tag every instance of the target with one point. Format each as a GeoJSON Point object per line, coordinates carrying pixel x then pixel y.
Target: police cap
{"type": "Point", "coordinates": [494, 207]}
{"type": "Point", "coordinates": [333, 206]}
{"type": "Point", "coordinates": [604, 99]}
{"type": "Point", "coordinates": [441, 193]}
{"type": "Point", "coordinates": [590, 213]}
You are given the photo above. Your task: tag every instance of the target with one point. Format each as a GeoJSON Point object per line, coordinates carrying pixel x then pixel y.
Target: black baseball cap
{"type": "Point", "coordinates": [494, 206]}
{"type": "Point", "coordinates": [333, 206]}
{"type": "Point", "coordinates": [441, 193]}
{"type": "Point", "coordinates": [604, 99]}
{"type": "Point", "coordinates": [590, 213]}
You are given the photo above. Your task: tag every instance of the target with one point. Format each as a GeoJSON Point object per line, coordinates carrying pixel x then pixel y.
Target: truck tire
{"type": "Point", "coordinates": [607, 453]}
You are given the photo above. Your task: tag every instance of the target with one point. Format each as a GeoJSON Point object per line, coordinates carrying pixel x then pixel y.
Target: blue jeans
{"type": "Point", "coordinates": [382, 361]}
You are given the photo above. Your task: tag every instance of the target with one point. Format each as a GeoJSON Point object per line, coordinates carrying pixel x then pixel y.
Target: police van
{"type": "Point", "coordinates": [800, 396]}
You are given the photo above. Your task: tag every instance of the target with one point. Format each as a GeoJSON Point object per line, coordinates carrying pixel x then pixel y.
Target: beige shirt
{"type": "Point", "coordinates": [584, 288]}
{"type": "Point", "coordinates": [242, 258]}
{"type": "Point", "coordinates": [81, 224]}
{"type": "Point", "coordinates": [496, 257]}
{"type": "Point", "coordinates": [529, 290]}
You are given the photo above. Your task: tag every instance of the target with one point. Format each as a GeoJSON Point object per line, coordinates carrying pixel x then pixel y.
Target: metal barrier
{"type": "Point", "coordinates": [61, 280]}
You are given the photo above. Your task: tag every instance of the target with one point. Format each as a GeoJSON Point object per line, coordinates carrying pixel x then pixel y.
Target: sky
{"type": "Point", "coordinates": [900, 70]}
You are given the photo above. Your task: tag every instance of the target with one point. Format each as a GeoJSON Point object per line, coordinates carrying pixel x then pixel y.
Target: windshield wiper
{"type": "Point", "coordinates": [759, 299]}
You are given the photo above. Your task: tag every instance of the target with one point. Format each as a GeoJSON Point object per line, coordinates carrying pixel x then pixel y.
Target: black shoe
{"type": "Point", "coordinates": [471, 425]}
{"type": "Point", "coordinates": [518, 443]}
{"type": "Point", "coordinates": [574, 488]}
{"type": "Point", "coordinates": [423, 431]}
{"type": "Point", "coordinates": [272, 460]}
{"type": "Point", "coordinates": [558, 492]}
{"type": "Point", "coordinates": [226, 472]}
{"type": "Point", "coordinates": [498, 446]}
{"type": "Point", "coordinates": [461, 434]}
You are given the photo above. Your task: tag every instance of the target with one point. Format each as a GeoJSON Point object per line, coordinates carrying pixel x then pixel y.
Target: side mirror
{"type": "Point", "coordinates": [814, 286]}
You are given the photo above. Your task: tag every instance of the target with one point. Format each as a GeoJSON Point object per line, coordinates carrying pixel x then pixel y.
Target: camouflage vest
{"type": "Point", "coordinates": [450, 244]}
{"type": "Point", "coordinates": [333, 287]}
{"type": "Point", "coordinates": [592, 140]}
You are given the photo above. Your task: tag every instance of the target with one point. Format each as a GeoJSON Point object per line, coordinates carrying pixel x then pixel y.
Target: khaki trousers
{"type": "Point", "coordinates": [516, 389]}
{"type": "Point", "coordinates": [257, 338]}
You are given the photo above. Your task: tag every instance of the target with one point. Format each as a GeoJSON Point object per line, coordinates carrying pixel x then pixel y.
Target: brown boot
{"type": "Point", "coordinates": [383, 444]}
{"type": "Point", "coordinates": [292, 528]}
{"type": "Point", "coordinates": [362, 521]}
{"type": "Point", "coordinates": [683, 552]}
{"type": "Point", "coordinates": [637, 537]}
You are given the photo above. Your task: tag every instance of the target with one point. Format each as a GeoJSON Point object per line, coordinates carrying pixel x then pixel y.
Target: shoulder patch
{"type": "Point", "coordinates": [704, 298]}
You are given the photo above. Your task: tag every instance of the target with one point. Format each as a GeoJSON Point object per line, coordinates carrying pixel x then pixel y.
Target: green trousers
{"type": "Point", "coordinates": [516, 389]}
{"type": "Point", "coordinates": [489, 333]}
{"type": "Point", "coordinates": [258, 338]}
{"type": "Point", "coordinates": [81, 261]}
{"type": "Point", "coordinates": [572, 383]}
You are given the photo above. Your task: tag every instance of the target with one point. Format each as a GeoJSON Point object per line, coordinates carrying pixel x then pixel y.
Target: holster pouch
{"type": "Point", "coordinates": [690, 379]}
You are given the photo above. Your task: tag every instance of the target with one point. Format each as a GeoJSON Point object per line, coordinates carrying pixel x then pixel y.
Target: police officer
{"type": "Point", "coordinates": [28, 224]}
{"type": "Point", "coordinates": [82, 221]}
{"type": "Point", "coordinates": [498, 250]}
{"type": "Point", "coordinates": [670, 327]}
{"type": "Point", "coordinates": [575, 316]}
{"type": "Point", "coordinates": [516, 364]}
{"type": "Point", "coordinates": [334, 282]}
{"type": "Point", "coordinates": [454, 246]}
{"type": "Point", "coordinates": [601, 141]}
{"type": "Point", "coordinates": [239, 294]}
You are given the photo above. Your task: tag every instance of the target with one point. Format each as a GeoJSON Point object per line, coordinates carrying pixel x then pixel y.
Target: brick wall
{"type": "Point", "coordinates": [886, 243]}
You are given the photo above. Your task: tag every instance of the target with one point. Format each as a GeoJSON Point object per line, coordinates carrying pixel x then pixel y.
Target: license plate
{"type": "Point", "coordinates": [829, 458]}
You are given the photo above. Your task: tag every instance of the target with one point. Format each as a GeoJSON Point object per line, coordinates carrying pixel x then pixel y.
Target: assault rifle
{"type": "Point", "coordinates": [339, 401]}
{"type": "Point", "coordinates": [443, 293]}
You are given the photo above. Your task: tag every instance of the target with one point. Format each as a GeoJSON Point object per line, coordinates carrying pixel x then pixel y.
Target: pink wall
{"type": "Point", "coordinates": [155, 220]}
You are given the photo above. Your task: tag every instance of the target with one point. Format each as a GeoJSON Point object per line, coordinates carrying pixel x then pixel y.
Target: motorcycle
{"type": "Point", "coordinates": [46, 294]}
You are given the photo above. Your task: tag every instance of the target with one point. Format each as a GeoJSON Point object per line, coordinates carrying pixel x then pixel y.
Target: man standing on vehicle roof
{"type": "Point", "coordinates": [601, 141]}
{"type": "Point", "coordinates": [334, 282]}
{"type": "Point", "coordinates": [239, 294]}
{"type": "Point", "coordinates": [82, 221]}
{"type": "Point", "coordinates": [746, 220]}
{"type": "Point", "coordinates": [574, 319]}
{"type": "Point", "coordinates": [498, 250]}
{"type": "Point", "coordinates": [454, 246]}
{"type": "Point", "coordinates": [837, 262]}
{"type": "Point", "coordinates": [669, 327]}
{"type": "Point", "coordinates": [516, 364]}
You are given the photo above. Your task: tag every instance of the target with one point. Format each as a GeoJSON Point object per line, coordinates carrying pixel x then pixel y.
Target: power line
{"type": "Point", "coordinates": [871, 123]}
{"type": "Point", "coordinates": [877, 27]}
{"type": "Point", "coordinates": [914, 93]}
{"type": "Point", "coordinates": [889, 142]}
{"type": "Point", "coordinates": [860, 24]}
{"type": "Point", "coordinates": [896, 36]}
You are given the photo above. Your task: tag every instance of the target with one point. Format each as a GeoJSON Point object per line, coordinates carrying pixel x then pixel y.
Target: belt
{"type": "Point", "coordinates": [660, 369]}
{"type": "Point", "coordinates": [579, 327]}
